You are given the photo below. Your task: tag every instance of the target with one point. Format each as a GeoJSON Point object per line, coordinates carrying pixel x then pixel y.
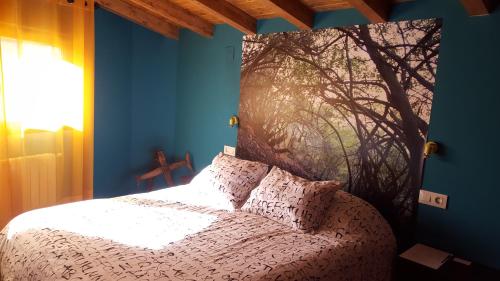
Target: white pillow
{"type": "Point", "coordinates": [292, 200]}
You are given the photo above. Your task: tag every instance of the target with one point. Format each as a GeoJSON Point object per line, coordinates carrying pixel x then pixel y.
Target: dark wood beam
{"type": "Point", "coordinates": [477, 7]}
{"type": "Point", "coordinates": [230, 14]}
{"type": "Point", "coordinates": [140, 17]}
{"type": "Point", "coordinates": [174, 14]}
{"type": "Point", "coordinates": [295, 12]}
{"type": "Point", "coordinates": [375, 10]}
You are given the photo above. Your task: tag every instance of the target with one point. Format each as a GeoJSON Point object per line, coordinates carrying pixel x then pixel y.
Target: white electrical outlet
{"type": "Point", "coordinates": [229, 150]}
{"type": "Point", "coordinates": [433, 199]}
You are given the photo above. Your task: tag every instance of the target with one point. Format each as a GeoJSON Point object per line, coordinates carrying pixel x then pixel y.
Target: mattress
{"type": "Point", "coordinates": [173, 234]}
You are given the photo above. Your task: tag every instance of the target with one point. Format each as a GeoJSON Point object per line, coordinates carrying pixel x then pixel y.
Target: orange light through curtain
{"type": "Point", "coordinates": [46, 103]}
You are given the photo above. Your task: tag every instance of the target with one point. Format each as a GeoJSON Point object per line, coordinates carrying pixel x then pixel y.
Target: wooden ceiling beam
{"type": "Point", "coordinates": [375, 10]}
{"type": "Point", "coordinates": [295, 12]}
{"type": "Point", "coordinates": [230, 14]}
{"type": "Point", "coordinates": [175, 14]}
{"type": "Point", "coordinates": [477, 7]}
{"type": "Point", "coordinates": [140, 17]}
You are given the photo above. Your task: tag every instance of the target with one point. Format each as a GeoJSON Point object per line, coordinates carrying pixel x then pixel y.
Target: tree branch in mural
{"type": "Point", "coordinates": [349, 103]}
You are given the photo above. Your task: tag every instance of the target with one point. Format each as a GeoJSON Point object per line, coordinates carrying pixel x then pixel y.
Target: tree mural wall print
{"type": "Point", "coordinates": [349, 103]}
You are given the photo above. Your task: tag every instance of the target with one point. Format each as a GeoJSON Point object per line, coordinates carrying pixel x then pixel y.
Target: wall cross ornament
{"type": "Point", "coordinates": [165, 169]}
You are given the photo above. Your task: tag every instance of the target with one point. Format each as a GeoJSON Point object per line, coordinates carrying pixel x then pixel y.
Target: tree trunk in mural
{"type": "Point", "coordinates": [349, 103]}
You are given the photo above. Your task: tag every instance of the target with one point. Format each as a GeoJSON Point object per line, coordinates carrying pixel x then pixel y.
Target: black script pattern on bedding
{"type": "Point", "coordinates": [292, 200]}
{"type": "Point", "coordinates": [235, 178]}
{"type": "Point", "coordinates": [154, 236]}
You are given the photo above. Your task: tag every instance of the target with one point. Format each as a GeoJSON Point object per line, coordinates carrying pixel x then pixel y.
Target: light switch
{"type": "Point", "coordinates": [229, 150]}
{"type": "Point", "coordinates": [433, 199]}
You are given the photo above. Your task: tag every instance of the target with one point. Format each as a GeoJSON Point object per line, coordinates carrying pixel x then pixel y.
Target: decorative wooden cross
{"type": "Point", "coordinates": [165, 169]}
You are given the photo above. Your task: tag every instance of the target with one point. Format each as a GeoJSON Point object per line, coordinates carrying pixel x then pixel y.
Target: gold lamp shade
{"type": "Point", "coordinates": [430, 147]}
{"type": "Point", "coordinates": [234, 121]}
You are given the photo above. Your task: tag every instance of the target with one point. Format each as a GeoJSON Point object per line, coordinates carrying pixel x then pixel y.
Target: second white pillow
{"type": "Point", "coordinates": [292, 200]}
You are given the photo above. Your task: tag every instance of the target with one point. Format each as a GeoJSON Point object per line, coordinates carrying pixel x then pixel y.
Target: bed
{"type": "Point", "coordinates": [179, 233]}
{"type": "Point", "coordinates": [154, 236]}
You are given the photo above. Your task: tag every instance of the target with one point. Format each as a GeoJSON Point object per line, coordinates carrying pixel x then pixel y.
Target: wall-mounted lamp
{"type": "Point", "coordinates": [430, 148]}
{"type": "Point", "coordinates": [234, 121]}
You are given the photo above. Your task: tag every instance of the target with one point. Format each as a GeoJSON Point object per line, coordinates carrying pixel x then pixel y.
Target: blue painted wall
{"type": "Point", "coordinates": [135, 88]}
{"type": "Point", "coordinates": [112, 104]}
{"type": "Point", "coordinates": [208, 93]}
{"type": "Point", "coordinates": [464, 117]}
{"type": "Point", "coordinates": [154, 87]}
